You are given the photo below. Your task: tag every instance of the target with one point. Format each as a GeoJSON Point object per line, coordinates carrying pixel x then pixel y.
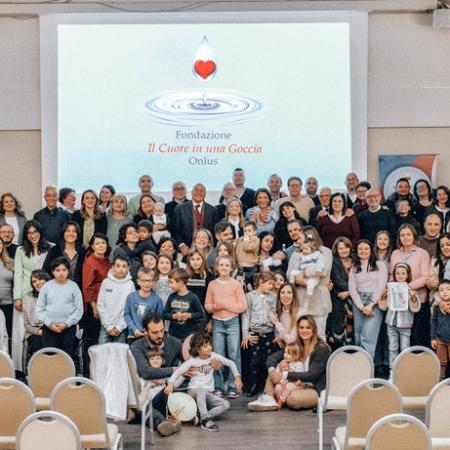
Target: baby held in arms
{"type": "Point", "coordinates": [310, 264]}
{"type": "Point", "coordinates": [290, 363]}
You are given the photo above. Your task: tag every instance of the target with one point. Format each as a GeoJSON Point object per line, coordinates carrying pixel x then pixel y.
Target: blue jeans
{"type": "Point", "coordinates": [226, 340]}
{"type": "Point", "coordinates": [105, 338]}
{"type": "Point", "coordinates": [397, 336]}
{"type": "Point", "coordinates": [366, 329]}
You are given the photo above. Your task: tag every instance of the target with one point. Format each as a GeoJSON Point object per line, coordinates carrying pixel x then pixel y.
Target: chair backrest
{"type": "Point", "coordinates": [48, 430]}
{"type": "Point", "coordinates": [6, 366]}
{"type": "Point", "coordinates": [135, 380]}
{"type": "Point", "coordinates": [16, 404]}
{"type": "Point", "coordinates": [83, 402]}
{"type": "Point", "coordinates": [438, 410]}
{"type": "Point", "coordinates": [46, 368]}
{"type": "Point", "coordinates": [398, 432]}
{"type": "Point", "coordinates": [347, 367]}
{"type": "Point", "coordinates": [105, 357]}
{"type": "Point", "coordinates": [367, 403]}
{"type": "Point", "coordinates": [416, 371]}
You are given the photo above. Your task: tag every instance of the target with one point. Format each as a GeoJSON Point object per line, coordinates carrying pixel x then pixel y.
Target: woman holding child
{"type": "Point", "coordinates": [418, 260]}
{"type": "Point", "coordinates": [310, 374]}
{"type": "Point", "coordinates": [319, 303]}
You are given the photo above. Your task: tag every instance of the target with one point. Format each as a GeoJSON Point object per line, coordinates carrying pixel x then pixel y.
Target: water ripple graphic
{"type": "Point", "coordinates": [196, 107]}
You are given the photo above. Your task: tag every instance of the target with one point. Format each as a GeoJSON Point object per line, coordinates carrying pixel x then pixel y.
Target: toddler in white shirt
{"type": "Point", "coordinates": [201, 384]}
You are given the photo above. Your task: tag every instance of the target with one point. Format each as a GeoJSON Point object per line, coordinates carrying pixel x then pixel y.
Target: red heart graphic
{"type": "Point", "coordinates": [205, 68]}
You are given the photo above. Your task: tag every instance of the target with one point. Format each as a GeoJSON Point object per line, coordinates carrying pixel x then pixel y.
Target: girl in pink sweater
{"type": "Point", "coordinates": [225, 300]}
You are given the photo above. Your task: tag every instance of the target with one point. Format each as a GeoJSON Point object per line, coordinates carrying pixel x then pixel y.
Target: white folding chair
{"type": "Point", "coordinates": [416, 371]}
{"type": "Point", "coordinates": [48, 430]}
{"type": "Point", "coordinates": [347, 367]}
{"type": "Point", "coordinates": [16, 404]}
{"type": "Point", "coordinates": [143, 403]}
{"type": "Point", "coordinates": [437, 417]}
{"type": "Point", "coordinates": [82, 401]}
{"type": "Point", "coordinates": [398, 432]}
{"type": "Point", "coordinates": [137, 400]}
{"type": "Point", "coordinates": [46, 368]}
{"type": "Point", "coordinates": [6, 366]}
{"type": "Point", "coordinates": [368, 402]}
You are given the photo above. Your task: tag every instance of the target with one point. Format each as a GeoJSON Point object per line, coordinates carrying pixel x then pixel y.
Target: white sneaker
{"type": "Point", "coordinates": [264, 402]}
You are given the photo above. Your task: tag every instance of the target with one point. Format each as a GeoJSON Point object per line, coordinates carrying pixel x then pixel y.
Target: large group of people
{"type": "Point", "coordinates": [253, 293]}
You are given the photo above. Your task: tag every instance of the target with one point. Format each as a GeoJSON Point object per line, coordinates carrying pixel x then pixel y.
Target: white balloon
{"type": "Point", "coordinates": [182, 406]}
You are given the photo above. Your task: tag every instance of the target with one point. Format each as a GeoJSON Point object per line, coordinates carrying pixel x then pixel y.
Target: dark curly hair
{"type": "Point", "coordinates": [197, 341]}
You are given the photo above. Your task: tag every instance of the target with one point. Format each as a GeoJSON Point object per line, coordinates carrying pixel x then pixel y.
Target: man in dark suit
{"type": "Point", "coordinates": [191, 216]}
{"type": "Point", "coordinates": [351, 181]}
{"type": "Point", "coordinates": [178, 197]}
{"type": "Point", "coordinates": [324, 198]}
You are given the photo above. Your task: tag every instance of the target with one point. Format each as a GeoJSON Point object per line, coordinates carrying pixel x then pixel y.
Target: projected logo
{"type": "Point", "coordinates": [201, 105]}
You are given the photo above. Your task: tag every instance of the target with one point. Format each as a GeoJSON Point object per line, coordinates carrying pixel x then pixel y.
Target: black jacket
{"type": "Point", "coordinates": [371, 223]}
{"type": "Point", "coordinates": [57, 251]}
{"type": "Point", "coordinates": [183, 227]}
{"type": "Point", "coordinates": [100, 224]}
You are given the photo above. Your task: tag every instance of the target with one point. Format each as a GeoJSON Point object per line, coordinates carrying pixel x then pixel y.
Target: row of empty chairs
{"type": "Point", "coordinates": [46, 368]}
{"type": "Point", "coordinates": [52, 385]}
{"type": "Point", "coordinates": [50, 366]}
{"type": "Point", "coordinates": [79, 399]}
{"type": "Point", "coordinates": [416, 371]}
{"type": "Point", "coordinates": [375, 399]}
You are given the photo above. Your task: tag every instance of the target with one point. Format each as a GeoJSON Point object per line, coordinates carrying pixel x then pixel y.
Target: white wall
{"type": "Point", "coordinates": [408, 97]}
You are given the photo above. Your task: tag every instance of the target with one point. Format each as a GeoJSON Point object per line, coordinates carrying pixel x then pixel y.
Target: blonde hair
{"type": "Point", "coordinates": [228, 258]}
{"type": "Point", "coordinates": [208, 248]}
{"type": "Point", "coordinates": [195, 251]}
{"type": "Point", "coordinates": [7, 261]}
{"type": "Point", "coordinates": [230, 249]}
{"type": "Point", "coordinates": [241, 213]}
{"type": "Point", "coordinates": [293, 350]}
{"type": "Point", "coordinates": [97, 211]}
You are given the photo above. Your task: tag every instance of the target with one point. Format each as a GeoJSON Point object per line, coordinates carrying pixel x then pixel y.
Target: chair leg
{"type": "Point", "coordinates": [152, 442]}
{"type": "Point", "coordinates": [143, 430]}
{"type": "Point", "coordinates": [335, 444]}
{"type": "Point", "coordinates": [320, 417]}
{"type": "Point", "coordinates": [118, 443]}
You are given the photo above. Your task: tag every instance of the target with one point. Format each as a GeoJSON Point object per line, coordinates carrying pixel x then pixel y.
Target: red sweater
{"type": "Point", "coordinates": [95, 270]}
{"type": "Point", "coordinates": [329, 231]}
